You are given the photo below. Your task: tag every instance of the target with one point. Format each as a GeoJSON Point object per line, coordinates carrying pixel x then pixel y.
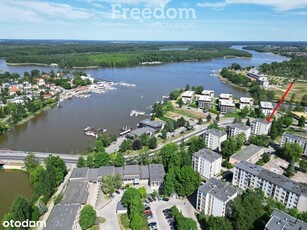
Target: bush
{"type": "Point", "coordinates": [87, 217]}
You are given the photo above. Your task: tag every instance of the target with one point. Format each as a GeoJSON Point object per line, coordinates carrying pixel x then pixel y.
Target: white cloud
{"type": "Point", "coordinates": [280, 5]}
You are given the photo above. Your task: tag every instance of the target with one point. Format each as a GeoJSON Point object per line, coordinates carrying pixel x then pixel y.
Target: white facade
{"type": "Point", "coordinates": [214, 138]}
{"type": "Point", "coordinates": [209, 93]}
{"type": "Point", "coordinates": [266, 107]}
{"type": "Point", "coordinates": [187, 97]}
{"type": "Point", "coordinates": [207, 163]}
{"type": "Point", "coordinates": [225, 96]}
{"type": "Point", "coordinates": [263, 81]}
{"type": "Point", "coordinates": [236, 129]}
{"type": "Point", "coordinates": [226, 106]}
{"type": "Point", "coordinates": [281, 188]}
{"type": "Point", "coordinates": [213, 196]}
{"type": "Point", "coordinates": [291, 138]}
{"type": "Point", "coordinates": [260, 127]}
{"type": "Point", "coordinates": [246, 102]}
{"type": "Point", "coordinates": [204, 102]}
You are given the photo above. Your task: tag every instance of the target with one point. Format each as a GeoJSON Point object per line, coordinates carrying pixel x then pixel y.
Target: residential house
{"type": "Point", "coordinates": [209, 93]}
{"type": "Point", "coordinates": [156, 125]}
{"type": "Point", "coordinates": [226, 106]}
{"type": "Point", "coordinates": [156, 176]}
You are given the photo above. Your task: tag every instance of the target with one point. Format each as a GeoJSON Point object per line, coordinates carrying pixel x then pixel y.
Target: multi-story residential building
{"type": "Point", "coordinates": [292, 138]}
{"type": "Point", "coordinates": [235, 129]}
{"type": "Point", "coordinates": [246, 102]}
{"type": "Point", "coordinates": [213, 196]}
{"type": "Point", "coordinates": [225, 96]}
{"type": "Point", "coordinates": [207, 163]}
{"type": "Point", "coordinates": [283, 221]}
{"type": "Point", "coordinates": [187, 97]}
{"type": "Point", "coordinates": [260, 127]}
{"type": "Point", "coordinates": [214, 138]}
{"type": "Point", "coordinates": [266, 107]}
{"type": "Point", "coordinates": [204, 101]}
{"type": "Point", "coordinates": [209, 93]}
{"type": "Point", "coordinates": [251, 153]}
{"type": "Point", "coordinates": [292, 194]}
{"type": "Point", "coordinates": [263, 81]}
{"type": "Point", "coordinates": [226, 106]}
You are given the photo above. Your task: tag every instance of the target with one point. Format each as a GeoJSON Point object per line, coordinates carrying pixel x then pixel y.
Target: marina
{"type": "Point", "coordinates": [95, 132]}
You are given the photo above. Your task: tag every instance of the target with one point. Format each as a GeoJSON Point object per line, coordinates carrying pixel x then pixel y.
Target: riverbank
{"type": "Point", "coordinates": [225, 80]}
{"type": "Point", "coordinates": [26, 64]}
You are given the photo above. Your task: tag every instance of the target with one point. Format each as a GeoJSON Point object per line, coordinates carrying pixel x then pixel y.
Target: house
{"type": "Point", "coordinates": [204, 101]}
{"type": "Point", "coordinates": [237, 128]}
{"type": "Point", "coordinates": [17, 100]}
{"type": "Point", "coordinates": [156, 125]}
{"type": "Point", "coordinates": [260, 127]}
{"type": "Point", "coordinates": [187, 97]}
{"type": "Point", "coordinates": [120, 209]}
{"type": "Point", "coordinates": [13, 90]}
{"type": "Point", "coordinates": [263, 81]}
{"type": "Point", "coordinates": [64, 217]}
{"type": "Point", "coordinates": [282, 221]}
{"type": "Point", "coordinates": [47, 96]}
{"type": "Point", "coordinates": [156, 176]}
{"type": "Point", "coordinates": [213, 196]}
{"type": "Point", "coordinates": [266, 107]}
{"type": "Point", "coordinates": [209, 93]}
{"type": "Point", "coordinates": [226, 106]}
{"type": "Point", "coordinates": [246, 102]}
{"type": "Point", "coordinates": [140, 131]}
{"type": "Point", "coordinates": [207, 163]}
{"type": "Point", "coordinates": [225, 96]}
{"type": "Point", "coordinates": [79, 173]}
{"type": "Point", "coordinates": [40, 82]}
{"type": "Point", "coordinates": [214, 138]}
{"type": "Point", "coordinates": [251, 153]}
{"type": "Point", "coordinates": [255, 74]}
{"type": "Point", "coordinates": [292, 138]}
{"type": "Point", "coordinates": [292, 194]}
{"type": "Point", "coordinates": [88, 77]}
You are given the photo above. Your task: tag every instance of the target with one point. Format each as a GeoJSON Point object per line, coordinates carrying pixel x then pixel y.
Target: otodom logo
{"type": "Point", "coordinates": [24, 224]}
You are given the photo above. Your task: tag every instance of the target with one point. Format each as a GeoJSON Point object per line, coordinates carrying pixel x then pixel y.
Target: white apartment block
{"type": "Point", "coordinates": [260, 127]}
{"type": "Point", "coordinates": [204, 101]}
{"type": "Point", "coordinates": [263, 81]}
{"type": "Point", "coordinates": [209, 93]}
{"type": "Point", "coordinates": [225, 96]}
{"type": "Point", "coordinates": [266, 107]}
{"type": "Point", "coordinates": [226, 106]}
{"type": "Point", "coordinates": [187, 97]}
{"type": "Point", "coordinates": [238, 128]}
{"type": "Point", "coordinates": [292, 194]}
{"type": "Point", "coordinates": [214, 138]}
{"type": "Point", "coordinates": [207, 163]}
{"type": "Point", "coordinates": [246, 102]}
{"type": "Point", "coordinates": [291, 138]}
{"type": "Point", "coordinates": [213, 196]}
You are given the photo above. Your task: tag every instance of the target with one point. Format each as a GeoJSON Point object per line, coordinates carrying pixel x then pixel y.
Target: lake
{"type": "Point", "coordinates": [61, 130]}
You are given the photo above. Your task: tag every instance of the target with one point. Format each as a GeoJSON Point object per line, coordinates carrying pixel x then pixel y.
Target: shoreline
{"type": "Point", "coordinates": [27, 64]}
{"type": "Point", "coordinates": [230, 83]}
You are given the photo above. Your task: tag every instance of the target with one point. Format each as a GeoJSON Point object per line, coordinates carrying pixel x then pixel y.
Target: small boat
{"type": "Point", "coordinates": [87, 129]}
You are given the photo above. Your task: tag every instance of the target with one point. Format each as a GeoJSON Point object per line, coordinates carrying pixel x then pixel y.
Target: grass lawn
{"type": "Point", "coordinates": [189, 113]}
{"type": "Point", "coordinates": [299, 89]}
{"type": "Point", "coordinates": [124, 221]}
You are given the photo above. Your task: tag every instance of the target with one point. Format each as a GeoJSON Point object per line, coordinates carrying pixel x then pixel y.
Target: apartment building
{"type": "Point", "coordinates": [207, 163]}
{"type": "Point", "coordinates": [226, 106]}
{"type": "Point", "coordinates": [225, 96]}
{"type": "Point", "coordinates": [187, 97]}
{"type": "Point", "coordinates": [246, 102]}
{"type": "Point", "coordinates": [290, 193]}
{"type": "Point", "coordinates": [209, 93]}
{"type": "Point", "coordinates": [266, 108]}
{"type": "Point", "coordinates": [235, 129]}
{"type": "Point", "coordinates": [251, 153]}
{"type": "Point", "coordinates": [213, 196]}
{"type": "Point", "coordinates": [214, 138]}
{"type": "Point", "coordinates": [204, 102]}
{"type": "Point", "coordinates": [292, 138]}
{"type": "Point", "coordinates": [260, 127]}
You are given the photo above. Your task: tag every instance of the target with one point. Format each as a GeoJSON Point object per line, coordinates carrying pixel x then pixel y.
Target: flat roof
{"type": "Point", "coordinates": [225, 95]}
{"type": "Point", "coordinates": [239, 126]}
{"type": "Point", "coordinates": [226, 103]}
{"type": "Point", "coordinates": [204, 98]}
{"type": "Point", "coordinates": [262, 121]}
{"type": "Point", "coordinates": [216, 132]}
{"type": "Point", "coordinates": [218, 189]}
{"type": "Point", "coordinates": [62, 217]}
{"type": "Point", "coordinates": [266, 105]}
{"type": "Point", "coordinates": [207, 154]}
{"type": "Point", "coordinates": [76, 192]}
{"type": "Point", "coordinates": [247, 152]}
{"type": "Point", "coordinates": [205, 92]}
{"type": "Point", "coordinates": [156, 172]}
{"type": "Point", "coordinates": [188, 94]}
{"type": "Point", "coordinates": [154, 124]}
{"type": "Point", "coordinates": [283, 221]}
{"type": "Point", "coordinates": [140, 131]}
{"type": "Point", "coordinates": [246, 99]}
{"type": "Point", "coordinates": [273, 177]}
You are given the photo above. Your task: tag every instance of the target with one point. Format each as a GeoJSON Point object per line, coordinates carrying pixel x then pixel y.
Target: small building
{"type": "Point", "coordinates": [40, 82]}
{"type": "Point", "coordinates": [283, 221]}
{"type": "Point", "coordinates": [213, 196]}
{"type": "Point", "coordinates": [292, 138]}
{"type": "Point", "coordinates": [236, 129]}
{"type": "Point", "coordinates": [214, 138]}
{"type": "Point", "coordinates": [13, 90]}
{"type": "Point", "coordinates": [120, 209]}
{"type": "Point", "coordinates": [225, 96]}
{"type": "Point", "coordinates": [156, 176]}
{"type": "Point", "coordinates": [226, 106]}
{"type": "Point", "coordinates": [251, 153]}
{"type": "Point", "coordinates": [135, 174]}
{"type": "Point", "coordinates": [156, 125]}
{"type": "Point", "coordinates": [187, 97]}
{"type": "Point", "coordinates": [263, 81]}
{"type": "Point", "coordinates": [246, 102]}
{"type": "Point", "coordinates": [266, 107]}
{"type": "Point", "coordinates": [260, 127]}
{"type": "Point", "coordinates": [209, 93]}
{"type": "Point", "coordinates": [207, 163]}
{"type": "Point", "coordinates": [204, 102]}
{"type": "Point", "coordinates": [64, 217]}
{"type": "Point", "coordinates": [140, 131]}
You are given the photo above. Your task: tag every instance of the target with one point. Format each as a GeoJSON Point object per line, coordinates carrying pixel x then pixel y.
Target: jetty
{"type": "Point", "coordinates": [90, 131]}
{"type": "Point", "coordinates": [125, 130]}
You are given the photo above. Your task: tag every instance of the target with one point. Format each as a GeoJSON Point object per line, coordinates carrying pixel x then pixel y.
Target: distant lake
{"type": "Point", "coordinates": [61, 130]}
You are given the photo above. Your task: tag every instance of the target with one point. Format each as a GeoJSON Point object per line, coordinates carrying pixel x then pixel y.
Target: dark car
{"type": "Point", "coordinates": [147, 208]}
{"type": "Point", "coordinates": [154, 198]}
{"type": "Point", "coordinates": [152, 224]}
{"type": "Point", "coordinates": [166, 199]}
{"type": "Point", "coordinates": [166, 210]}
{"type": "Point", "coordinates": [150, 200]}
{"type": "Point", "coordinates": [117, 191]}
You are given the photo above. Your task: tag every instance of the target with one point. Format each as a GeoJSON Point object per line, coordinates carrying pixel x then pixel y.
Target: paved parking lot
{"type": "Point", "coordinates": [157, 208]}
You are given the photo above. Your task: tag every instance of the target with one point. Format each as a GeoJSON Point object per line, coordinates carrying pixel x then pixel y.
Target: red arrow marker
{"type": "Point", "coordinates": [281, 100]}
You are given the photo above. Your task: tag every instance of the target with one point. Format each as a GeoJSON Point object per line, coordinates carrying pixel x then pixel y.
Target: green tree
{"type": "Point", "coordinates": [31, 162]}
{"type": "Point", "coordinates": [35, 175]}
{"type": "Point", "coordinates": [59, 167]}
{"type": "Point", "coordinates": [266, 157]}
{"type": "Point", "coordinates": [119, 160]}
{"type": "Point", "coordinates": [303, 165]}
{"type": "Point", "coordinates": [101, 159]}
{"type": "Point", "coordinates": [301, 121]}
{"type": "Point", "coordinates": [90, 161]}
{"type": "Point", "coordinates": [87, 217]}
{"type": "Point", "coordinates": [288, 120]}
{"type": "Point", "coordinates": [142, 191]}
{"type": "Point", "coordinates": [169, 183]}
{"type": "Point", "coordinates": [218, 223]}
{"type": "Point", "coordinates": [260, 140]}
{"type": "Point", "coordinates": [152, 143]}
{"type": "Point", "coordinates": [180, 102]}
{"type": "Point", "coordinates": [170, 156]}
{"type": "Point", "coordinates": [137, 145]}
{"type": "Point", "coordinates": [126, 145]}
{"type": "Point", "coordinates": [290, 171]}
{"type": "Point", "coordinates": [81, 162]}
{"type": "Point", "coordinates": [111, 183]}
{"type": "Point", "coordinates": [129, 195]}
{"type": "Point", "coordinates": [292, 151]}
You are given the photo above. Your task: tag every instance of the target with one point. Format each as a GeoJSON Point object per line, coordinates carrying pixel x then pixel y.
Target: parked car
{"type": "Point", "coordinates": [147, 201]}
{"type": "Point", "coordinates": [166, 199]}
{"type": "Point", "coordinates": [154, 198]}
{"type": "Point", "coordinates": [152, 224]}
{"type": "Point", "coordinates": [117, 191]}
{"type": "Point", "coordinates": [147, 208]}
{"type": "Point", "coordinates": [150, 199]}
{"type": "Point", "coordinates": [147, 212]}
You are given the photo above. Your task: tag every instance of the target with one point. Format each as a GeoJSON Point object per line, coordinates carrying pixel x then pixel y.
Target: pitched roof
{"type": "Point", "coordinates": [156, 172]}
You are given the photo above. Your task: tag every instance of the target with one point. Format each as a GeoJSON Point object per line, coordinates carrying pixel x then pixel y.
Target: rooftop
{"type": "Point", "coordinates": [188, 94]}
{"type": "Point", "coordinates": [207, 92]}
{"type": "Point", "coordinates": [262, 121]}
{"type": "Point", "coordinates": [140, 131]}
{"type": "Point", "coordinates": [63, 217]}
{"type": "Point", "coordinates": [208, 155]}
{"type": "Point", "coordinates": [204, 98]}
{"type": "Point", "coordinates": [76, 192]}
{"type": "Point", "coordinates": [247, 152]}
{"type": "Point", "coordinates": [273, 178]}
{"type": "Point", "coordinates": [156, 172]}
{"type": "Point", "coordinates": [239, 126]}
{"type": "Point", "coordinates": [296, 137]}
{"type": "Point", "coordinates": [266, 105]}
{"type": "Point", "coordinates": [153, 124]}
{"type": "Point", "coordinates": [226, 103]}
{"type": "Point", "coordinates": [246, 99]}
{"type": "Point", "coordinates": [282, 221]}
{"type": "Point", "coordinates": [218, 189]}
{"type": "Point", "coordinates": [79, 173]}
{"type": "Point", "coordinates": [215, 132]}
{"type": "Point", "coordinates": [225, 95]}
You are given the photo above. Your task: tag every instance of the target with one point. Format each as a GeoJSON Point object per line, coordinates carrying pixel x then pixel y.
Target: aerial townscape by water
{"type": "Point", "coordinates": [153, 115]}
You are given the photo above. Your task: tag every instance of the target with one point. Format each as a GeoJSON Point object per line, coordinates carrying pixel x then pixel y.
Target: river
{"type": "Point", "coordinates": [61, 130]}
{"type": "Point", "coordinates": [12, 183]}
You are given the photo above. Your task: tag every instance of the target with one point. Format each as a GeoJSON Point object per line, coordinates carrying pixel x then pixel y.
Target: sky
{"type": "Point", "coordinates": [161, 20]}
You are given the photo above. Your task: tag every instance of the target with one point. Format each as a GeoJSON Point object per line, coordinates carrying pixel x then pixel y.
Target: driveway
{"type": "Point", "coordinates": [109, 213]}
{"type": "Point", "coordinates": [183, 205]}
